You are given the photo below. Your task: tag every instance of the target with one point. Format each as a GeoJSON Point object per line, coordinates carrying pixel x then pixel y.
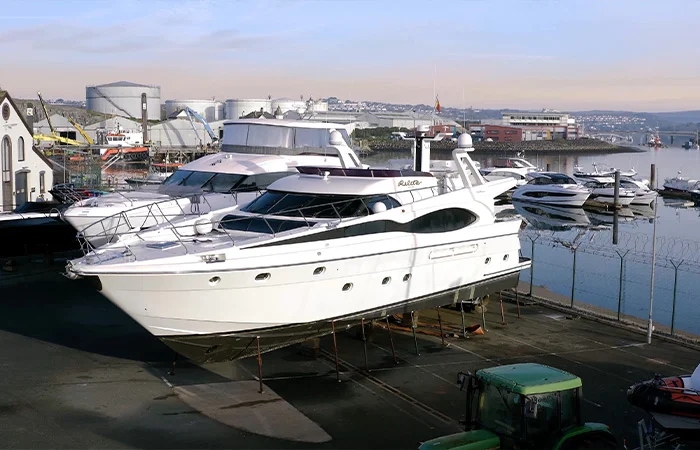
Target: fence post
{"type": "Point", "coordinates": [675, 284]}
{"type": "Point", "coordinates": [619, 292]}
{"type": "Point", "coordinates": [532, 262]}
{"type": "Point", "coordinates": [573, 275]}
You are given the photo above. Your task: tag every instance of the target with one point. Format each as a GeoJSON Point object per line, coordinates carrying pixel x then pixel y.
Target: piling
{"type": "Point", "coordinates": [652, 177]}
{"type": "Point", "coordinates": [616, 205]}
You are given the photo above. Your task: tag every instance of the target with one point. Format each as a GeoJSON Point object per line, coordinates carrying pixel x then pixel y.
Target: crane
{"type": "Point", "coordinates": [54, 136]}
{"type": "Point", "coordinates": [193, 114]}
{"type": "Point", "coordinates": [87, 138]}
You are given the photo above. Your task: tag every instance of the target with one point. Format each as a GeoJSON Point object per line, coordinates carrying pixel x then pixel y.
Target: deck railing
{"type": "Point", "coordinates": [184, 231]}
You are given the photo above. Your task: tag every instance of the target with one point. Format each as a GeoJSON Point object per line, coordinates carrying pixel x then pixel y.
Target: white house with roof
{"type": "Point", "coordinates": [26, 174]}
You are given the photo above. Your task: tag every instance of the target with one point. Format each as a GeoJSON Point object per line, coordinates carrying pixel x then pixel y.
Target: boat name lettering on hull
{"type": "Point", "coordinates": [403, 183]}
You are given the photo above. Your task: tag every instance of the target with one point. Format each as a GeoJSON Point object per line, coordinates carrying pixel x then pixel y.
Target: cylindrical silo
{"type": "Point", "coordinates": [211, 110]}
{"type": "Point", "coordinates": [238, 107]}
{"type": "Point", "coordinates": [123, 98]}
{"type": "Point", "coordinates": [288, 104]}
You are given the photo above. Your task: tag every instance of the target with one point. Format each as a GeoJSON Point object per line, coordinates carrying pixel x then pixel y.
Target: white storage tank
{"type": "Point", "coordinates": [317, 106]}
{"type": "Point", "coordinates": [235, 108]}
{"type": "Point", "coordinates": [123, 98]}
{"type": "Point", "coordinates": [288, 104]}
{"type": "Point", "coordinates": [211, 110]}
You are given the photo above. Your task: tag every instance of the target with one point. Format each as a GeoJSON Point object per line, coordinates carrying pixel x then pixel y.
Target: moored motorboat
{"type": "Point", "coordinates": [603, 192]}
{"type": "Point", "coordinates": [674, 402]}
{"type": "Point", "coordinates": [552, 188]}
{"type": "Point", "coordinates": [35, 227]}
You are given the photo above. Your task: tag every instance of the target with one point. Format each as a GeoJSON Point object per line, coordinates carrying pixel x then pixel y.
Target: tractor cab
{"type": "Point", "coordinates": [523, 406]}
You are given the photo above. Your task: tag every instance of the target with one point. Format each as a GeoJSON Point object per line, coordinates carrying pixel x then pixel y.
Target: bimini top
{"type": "Point", "coordinates": [322, 180]}
{"type": "Point", "coordinates": [288, 123]}
{"type": "Point", "coordinates": [530, 378]}
{"type": "Point", "coordinates": [278, 136]}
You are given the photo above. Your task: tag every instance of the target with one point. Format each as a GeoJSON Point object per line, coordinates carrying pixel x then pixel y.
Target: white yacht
{"type": "Point", "coordinates": [239, 173]}
{"type": "Point", "coordinates": [579, 173]}
{"type": "Point", "coordinates": [519, 174]}
{"type": "Point", "coordinates": [552, 188]}
{"type": "Point", "coordinates": [681, 184]}
{"type": "Point", "coordinates": [318, 251]}
{"type": "Point", "coordinates": [644, 196]}
{"type": "Point", "coordinates": [514, 163]}
{"type": "Point", "coordinates": [603, 191]}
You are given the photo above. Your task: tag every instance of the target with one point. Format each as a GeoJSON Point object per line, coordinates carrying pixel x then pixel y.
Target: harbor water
{"type": "Point", "coordinates": [557, 231]}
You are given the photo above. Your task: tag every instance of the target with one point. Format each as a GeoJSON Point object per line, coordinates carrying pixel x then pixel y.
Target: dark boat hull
{"type": "Point", "coordinates": [36, 227]}
{"type": "Point", "coordinates": [672, 405]}
{"type": "Point", "coordinates": [232, 346]}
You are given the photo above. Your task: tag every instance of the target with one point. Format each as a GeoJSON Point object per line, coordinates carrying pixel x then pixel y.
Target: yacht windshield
{"type": "Point", "coordinates": [266, 135]}
{"type": "Point", "coordinates": [323, 206]}
{"type": "Point", "coordinates": [558, 178]}
{"type": "Point", "coordinates": [185, 181]}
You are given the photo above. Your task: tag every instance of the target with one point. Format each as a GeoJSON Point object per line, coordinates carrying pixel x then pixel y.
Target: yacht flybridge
{"type": "Point", "coordinates": [238, 174]}
{"type": "Point", "coordinates": [320, 250]}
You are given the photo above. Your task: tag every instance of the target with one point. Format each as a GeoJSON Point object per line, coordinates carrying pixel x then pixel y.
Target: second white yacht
{"type": "Point", "coordinates": [603, 191]}
{"type": "Point", "coordinates": [238, 174]}
{"type": "Point", "coordinates": [552, 188]}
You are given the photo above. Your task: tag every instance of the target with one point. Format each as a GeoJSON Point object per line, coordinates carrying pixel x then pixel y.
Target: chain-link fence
{"type": "Point", "coordinates": [587, 267]}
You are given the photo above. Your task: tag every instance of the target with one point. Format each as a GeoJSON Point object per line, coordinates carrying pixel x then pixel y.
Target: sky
{"type": "Point", "coordinates": [569, 55]}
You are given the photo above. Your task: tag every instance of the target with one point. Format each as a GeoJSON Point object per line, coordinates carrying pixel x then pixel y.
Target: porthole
{"type": "Point", "coordinates": [213, 281]}
{"type": "Point", "coordinates": [262, 276]}
{"type": "Point", "coordinates": [347, 287]}
{"type": "Point", "coordinates": [407, 277]}
{"type": "Point", "coordinates": [319, 270]}
{"type": "Point", "coordinates": [505, 257]}
{"type": "Point", "coordinates": [488, 260]}
{"type": "Point", "coordinates": [386, 280]}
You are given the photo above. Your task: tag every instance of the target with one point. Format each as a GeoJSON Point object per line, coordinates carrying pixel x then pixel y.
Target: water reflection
{"type": "Point", "coordinates": [555, 218]}
{"type": "Point", "coordinates": [545, 217]}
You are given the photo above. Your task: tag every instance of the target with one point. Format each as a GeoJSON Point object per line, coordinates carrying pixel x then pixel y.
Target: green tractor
{"type": "Point", "coordinates": [524, 406]}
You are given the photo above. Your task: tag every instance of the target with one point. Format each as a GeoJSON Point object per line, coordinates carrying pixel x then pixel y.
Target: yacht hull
{"type": "Point", "coordinates": [196, 309]}
{"type": "Point", "coordinates": [219, 347]}
{"type": "Point", "coordinates": [573, 200]}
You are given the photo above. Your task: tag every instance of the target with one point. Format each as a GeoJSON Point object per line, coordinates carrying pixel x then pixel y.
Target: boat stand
{"type": "Point", "coordinates": [364, 343]}
{"type": "Point", "coordinates": [461, 311]}
{"type": "Point", "coordinates": [442, 334]}
{"type": "Point", "coordinates": [413, 329]}
{"type": "Point", "coordinates": [517, 301]}
{"type": "Point", "coordinates": [172, 368]}
{"type": "Point", "coordinates": [257, 339]}
{"type": "Point", "coordinates": [503, 316]}
{"type": "Point", "coordinates": [391, 341]}
{"type": "Point", "coordinates": [335, 349]}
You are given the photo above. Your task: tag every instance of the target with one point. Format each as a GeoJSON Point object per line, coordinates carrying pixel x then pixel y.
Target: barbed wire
{"type": "Point", "coordinates": [631, 246]}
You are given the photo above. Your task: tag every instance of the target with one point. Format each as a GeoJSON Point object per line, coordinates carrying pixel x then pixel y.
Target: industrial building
{"type": "Point", "coordinates": [61, 125]}
{"type": "Point", "coordinates": [288, 104]}
{"type": "Point", "coordinates": [179, 133]}
{"type": "Point", "coordinates": [25, 173]}
{"type": "Point", "coordinates": [211, 110]}
{"type": "Point", "coordinates": [496, 133]}
{"type": "Point", "coordinates": [123, 98]}
{"type": "Point", "coordinates": [238, 107]}
{"type": "Point", "coordinates": [543, 125]}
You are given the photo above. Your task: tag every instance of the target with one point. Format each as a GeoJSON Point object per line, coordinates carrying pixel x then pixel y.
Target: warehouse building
{"type": "Point", "coordinates": [543, 125]}
{"type": "Point", "coordinates": [123, 98]}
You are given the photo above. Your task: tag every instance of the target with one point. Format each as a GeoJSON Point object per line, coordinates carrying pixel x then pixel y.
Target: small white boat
{"type": "Point", "coordinates": [579, 173]}
{"type": "Point", "coordinates": [681, 184]}
{"type": "Point", "coordinates": [552, 188]}
{"type": "Point", "coordinates": [519, 174]}
{"type": "Point", "coordinates": [644, 196]}
{"type": "Point", "coordinates": [603, 191]}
